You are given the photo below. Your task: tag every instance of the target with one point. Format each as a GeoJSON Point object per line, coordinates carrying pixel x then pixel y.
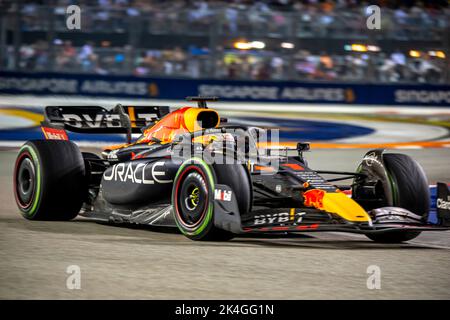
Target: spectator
{"type": "Point", "coordinates": [66, 57]}
{"type": "Point", "coordinates": [231, 17]}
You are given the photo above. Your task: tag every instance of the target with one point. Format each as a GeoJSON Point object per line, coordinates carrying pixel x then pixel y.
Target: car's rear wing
{"type": "Point", "coordinates": [95, 119]}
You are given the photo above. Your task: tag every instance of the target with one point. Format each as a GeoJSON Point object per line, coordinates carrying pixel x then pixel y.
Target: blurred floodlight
{"type": "Point", "coordinates": [439, 54]}
{"type": "Point", "coordinates": [359, 47]}
{"type": "Point", "coordinates": [257, 44]}
{"type": "Point", "coordinates": [414, 53]}
{"type": "Point", "coordinates": [242, 45]}
{"type": "Point", "coordinates": [287, 45]}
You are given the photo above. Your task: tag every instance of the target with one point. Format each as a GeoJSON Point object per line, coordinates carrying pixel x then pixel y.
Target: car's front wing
{"type": "Point", "coordinates": [269, 220]}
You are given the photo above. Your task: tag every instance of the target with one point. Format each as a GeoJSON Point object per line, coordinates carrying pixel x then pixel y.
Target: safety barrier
{"type": "Point", "coordinates": [227, 90]}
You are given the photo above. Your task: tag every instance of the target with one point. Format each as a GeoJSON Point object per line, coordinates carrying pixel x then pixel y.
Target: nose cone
{"type": "Point", "coordinates": [336, 202]}
{"type": "Point", "coordinates": [345, 207]}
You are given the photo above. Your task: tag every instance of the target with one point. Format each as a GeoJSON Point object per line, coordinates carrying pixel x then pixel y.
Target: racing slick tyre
{"type": "Point", "coordinates": [49, 180]}
{"type": "Point", "coordinates": [410, 191]}
{"type": "Point", "coordinates": [193, 197]}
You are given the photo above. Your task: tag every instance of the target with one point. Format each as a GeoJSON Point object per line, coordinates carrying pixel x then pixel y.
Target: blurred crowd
{"type": "Point", "coordinates": [397, 66]}
{"type": "Point", "coordinates": [106, 60]}
{"type": "Point", "coordinates": [394, 67]}
{"type": "Point", "coordinates": [408, 20]}
{"type": "Point", "coordinates": [320, 17]}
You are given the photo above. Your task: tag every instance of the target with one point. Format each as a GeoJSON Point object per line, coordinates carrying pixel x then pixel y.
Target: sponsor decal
{"type": "Point", "coordinates": [141, 173]}
{"type": "Point", "coordinates": [240, 92]}
{"type": "Point", "coordinates": [274, 93]}
{"type": "Point", "coordinates": [75, 86]}
{"type": "Point", "coordinates": [423, 96]}
{"type": "Point", "coordinates": [312, 94]}
{"type": "Point", "coordinates": [25, 84]}
{"type": "Point", "coordinates": [54, 134]}
{"type": "Point", "coordinates": [223, 195]}
{"type": "Point", "coordinates": [314, 198]}
{"type": "Point", "coordinates": [102, 120]}
{"type": "Point", "coordinates": [278, 217]}
{"type": "Point", "coordinates": [443, 204]}
{"type": "Point", "coordinates": [139, 88]}
{"type": "Point", "coordinates": [85, 120]}
{"type": "Point", "coordinates": [313, 180]}
{"type": "Point", "coordinates": [284, 228]}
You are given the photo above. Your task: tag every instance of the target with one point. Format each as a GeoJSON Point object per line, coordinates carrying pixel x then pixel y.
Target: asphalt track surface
{"type": "Point", "coordinates": [136, 263]}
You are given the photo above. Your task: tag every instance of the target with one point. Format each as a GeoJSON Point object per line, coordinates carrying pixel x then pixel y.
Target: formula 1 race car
{"type": "Point", "coordinates": [192, 170]}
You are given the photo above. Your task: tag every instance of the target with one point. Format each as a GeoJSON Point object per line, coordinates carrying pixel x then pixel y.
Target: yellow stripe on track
{"type": "Point", "coordinates": [35, 117]}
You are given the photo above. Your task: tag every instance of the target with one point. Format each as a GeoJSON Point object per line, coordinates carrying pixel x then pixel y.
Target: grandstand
{"type": "Point", "coordinates": [284, 40]}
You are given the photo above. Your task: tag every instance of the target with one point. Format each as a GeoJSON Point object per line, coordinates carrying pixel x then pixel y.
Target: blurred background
{"type": "Point", "coordinates": [312, 68]}
{"type": "Point", "coordinates": [306, 40]}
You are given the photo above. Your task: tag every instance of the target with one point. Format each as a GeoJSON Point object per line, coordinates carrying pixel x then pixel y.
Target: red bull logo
{"type": "Point", "coordinates": [314, 198]}
{"type": "Point", "coordinates": [337, 203]}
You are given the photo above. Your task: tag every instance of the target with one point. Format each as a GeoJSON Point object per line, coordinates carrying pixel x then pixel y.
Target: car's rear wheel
{"type": "Point", "coordinates": [49, 180]}
{"type": "Point", "coordinates": [193, 198]}
{"type": "Point", "coordinates": [409, 191]}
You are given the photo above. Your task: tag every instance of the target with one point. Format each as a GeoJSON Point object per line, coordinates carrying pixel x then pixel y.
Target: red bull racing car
{"type": "Point", "coordinates": [192, 170]}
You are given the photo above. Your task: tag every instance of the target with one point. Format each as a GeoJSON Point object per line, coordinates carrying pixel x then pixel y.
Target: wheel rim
{"type": "Point", "coordinates": [25, 181]}
{"type": "Point", "coordinates": [192, 198]}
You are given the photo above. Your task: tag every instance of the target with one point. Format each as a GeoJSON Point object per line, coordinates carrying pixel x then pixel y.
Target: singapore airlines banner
{"type": "Point", "coordinates": [227, 90]}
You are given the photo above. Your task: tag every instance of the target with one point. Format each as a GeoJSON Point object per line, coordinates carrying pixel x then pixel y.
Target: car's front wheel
{"type": "Point", "coordinates": [410, 191]}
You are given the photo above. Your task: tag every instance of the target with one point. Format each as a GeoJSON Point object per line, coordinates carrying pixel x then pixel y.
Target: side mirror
{"type": "Point", "coordinates": [303, 146]}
